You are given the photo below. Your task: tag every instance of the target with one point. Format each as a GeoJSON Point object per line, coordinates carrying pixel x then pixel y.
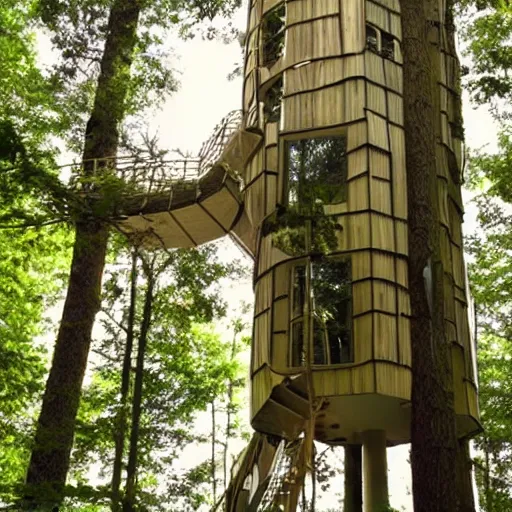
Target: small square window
{"type": "Point", "coordinates": [273, 35]}
{"type": "Point", "coordinates": [372, 39]}
{"type": "Point", "coordinates": [388, 46]}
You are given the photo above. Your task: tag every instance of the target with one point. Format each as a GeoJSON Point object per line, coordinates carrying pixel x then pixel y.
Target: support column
{"type": "Point", "coordinates": [353, 501]}
{"type": "Point", "coordinates": [375, 471]}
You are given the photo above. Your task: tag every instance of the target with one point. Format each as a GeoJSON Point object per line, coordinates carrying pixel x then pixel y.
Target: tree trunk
{"type": "Point", "coordinates": [489, 505]}
{"type": "Point", "coordinates": [433, 434]}
{"type": "Point", "coordinates": [131, 473]}
{"type": "Point", "coordinates": [230, 406]}
{"type": "Point", "coordinates": [49, 462]}
{"type": "Point", "coordinates": [212, 461]}
{"type": "Point", "coordinates": [464, 474]}
{"type": "Point", "coordinates": [353, 499]}
{"type": "Point", "coordinates": [125, 388]}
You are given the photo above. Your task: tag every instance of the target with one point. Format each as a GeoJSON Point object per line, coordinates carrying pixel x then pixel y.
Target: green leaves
{"type": "Point", "coordinates": [187, 365]}
{"type": "Point", "coordinates": [488, 38]}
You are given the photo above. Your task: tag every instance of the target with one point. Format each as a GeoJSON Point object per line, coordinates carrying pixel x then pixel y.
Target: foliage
{"type": "Point", "coordinates": [31, 260]}
{"type": "Point", "coordinates": [78, 31]}
{"type": "Point", "coordinates": [186, 366]}
{"type": "Point", "coordinates": [491, 281]}
{"type": "Point", "coordinates": [487, 33]}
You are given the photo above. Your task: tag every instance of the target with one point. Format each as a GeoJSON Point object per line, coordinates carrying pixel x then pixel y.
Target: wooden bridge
{"type": "Point", "coordinates": [180, 202]}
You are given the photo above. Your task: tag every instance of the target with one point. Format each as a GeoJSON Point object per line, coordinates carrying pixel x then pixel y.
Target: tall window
{"type": "Point", "coordinates": [317, 176]}
{"type": "Point", "coordinates": [273, 100]}
{"type": "Point", "coordinates": [273, 35]}
{"type": "Point", "coordinates": [317, 173]}
{"type": "Point", "coordinates": [330, 320]}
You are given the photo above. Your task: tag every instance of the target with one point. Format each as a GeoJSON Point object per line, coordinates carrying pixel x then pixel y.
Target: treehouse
{"type": "Point", "coordinates": [327, 193]}
{"type": "Point", "coordinates": [311, 181]}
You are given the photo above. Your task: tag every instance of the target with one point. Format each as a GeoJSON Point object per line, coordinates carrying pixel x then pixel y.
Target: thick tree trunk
{"type": "Point", "coordinates": [433, 434]}
{"type": "Point", "coordinates": [353, 499]}
{"type": "Point", "coordinates": [131, 472]}
{"type": "Point", "coordinates": [125, 388]}
{"type": "Point", "coordinates": [55, 429]}
{"type": "Point", "coordinates": [49, 462]}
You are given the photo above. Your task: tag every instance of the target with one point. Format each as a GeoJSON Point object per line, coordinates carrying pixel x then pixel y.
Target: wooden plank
{"type": "Point", "coordinates": [263, 294]}
{"type": "Point", "coordinates": [280, 349]}
{"type": "Point", "coordinates": [281, 315]}
{"type": "Point", "coordinates": [380, 194]}
{"type": "Point", "coordinates": [376, 99]}
{"type": "Point", "coordinates": [358, 194]}
{"type": "Point", "coordinates": [303, 10]}
{"type": "Point", "coordinates": [383, 234]}
{"type": "Point", "coordinates": [394, 381]}
{"type": "Point", "coordinates": [357, 135]}
{"type": "Point", "coordinates": [281, 280]}
{"type": "Point", "coordinates": [385, 340]}
{"type": "Point", "coordinates": [399, 177]}
{"type": "Point", "coordinates": [379, 164]}
{"type": "Point", "coordinates": [384, 298]}
{"type": "Point", "coordinates": [396, 108]}
{"type": "Point", "coordinates": [261, 340]}
{"type": "Point", "coordinates": [363, 338]}
{"type": "Point", "coordinates": [404, 337]}
{"type": "Point", "coordinates": [377, 15]}
{"type": "Point", "coordinates": [383, 266]}
{"type": "Point", "coordinates": [361, 297]}
{"type": "Point", "coordinates": [362, 379]}
{"type": "Point", "coordinates": [357, 162]}
{"type": "Point", "coordinates": [353, 25]}
{"type": "Point", "coordinates": [357, 230]}
{"type": "Point", "coordinates": [377, 131]}
{"type": "Point", "coordinates": [361, 265]}
{"type": "Point", "coordinates": [255, 200]}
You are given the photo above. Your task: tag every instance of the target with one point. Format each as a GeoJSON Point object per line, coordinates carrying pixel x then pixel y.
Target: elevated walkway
{"type": "Point", "coordinates": [180, 203]}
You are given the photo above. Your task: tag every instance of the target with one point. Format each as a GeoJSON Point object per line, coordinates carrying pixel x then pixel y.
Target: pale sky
{"type": "Point", "coordinates": [204, 98]}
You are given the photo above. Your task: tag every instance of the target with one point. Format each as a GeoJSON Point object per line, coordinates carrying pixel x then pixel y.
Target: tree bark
{"type": "Point", "coordinates": [433, 432]}
{"type": "Point", "coordinates": [131, 472]}
{"type": "Point", "coordinates": [49, 462]}
{"type": "Point", "coordinates": [353, 499]}
{"type": "Point", "coordinates": [125, 388]}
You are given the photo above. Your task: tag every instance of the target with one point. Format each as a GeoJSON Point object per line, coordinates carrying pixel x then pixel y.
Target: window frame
{"type": "Point", "coordinates": [284, 174]}
{"type": "Point", "coordinates": [379, 35]}
{"type": "Point", "coordinates": [264, 41]}
{"type": "Point", "coordinates": [295, 319]}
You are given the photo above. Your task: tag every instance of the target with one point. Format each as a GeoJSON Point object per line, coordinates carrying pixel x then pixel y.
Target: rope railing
{"type": "Point", "coordinates": [149, 175]}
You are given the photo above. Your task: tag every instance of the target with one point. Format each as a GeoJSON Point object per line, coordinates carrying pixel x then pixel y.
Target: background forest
{"type": "Point", "coordinates": [162, 409]}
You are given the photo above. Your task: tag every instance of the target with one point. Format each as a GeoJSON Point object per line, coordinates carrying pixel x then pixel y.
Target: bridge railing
{"type": "Point", "coordinates": [149, 175]}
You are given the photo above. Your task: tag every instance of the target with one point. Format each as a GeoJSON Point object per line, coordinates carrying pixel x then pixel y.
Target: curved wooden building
{"type": "Point", "coordinates": [327, 194]}
{"type": "Point", "coordinates": [314, 186]}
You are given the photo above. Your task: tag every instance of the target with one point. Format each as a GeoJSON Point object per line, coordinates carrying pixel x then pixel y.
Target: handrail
{"type": "Point", "coordinates": [150, 175]}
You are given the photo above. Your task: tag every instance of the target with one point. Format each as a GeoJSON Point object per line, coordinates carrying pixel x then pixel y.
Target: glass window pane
{"type": "Point", "coordinates": [388, 46]}
{"type": "Point", "coordinates": [299, 291]}
{"type": "Point", "coordinates": [372, 42]}
{"type": "Point", "coordinates": [317, 173]}
{"type": "Point", "coordinates": [298, 349]}
{"type": "Point", "coordinates": [272, 105]}
{"type": "Point", "coordinates": [273, 35]}
{"type": "Point", "coordinates": [319, 352]}
{"type": "Point", "coordinates": [332, 296]}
